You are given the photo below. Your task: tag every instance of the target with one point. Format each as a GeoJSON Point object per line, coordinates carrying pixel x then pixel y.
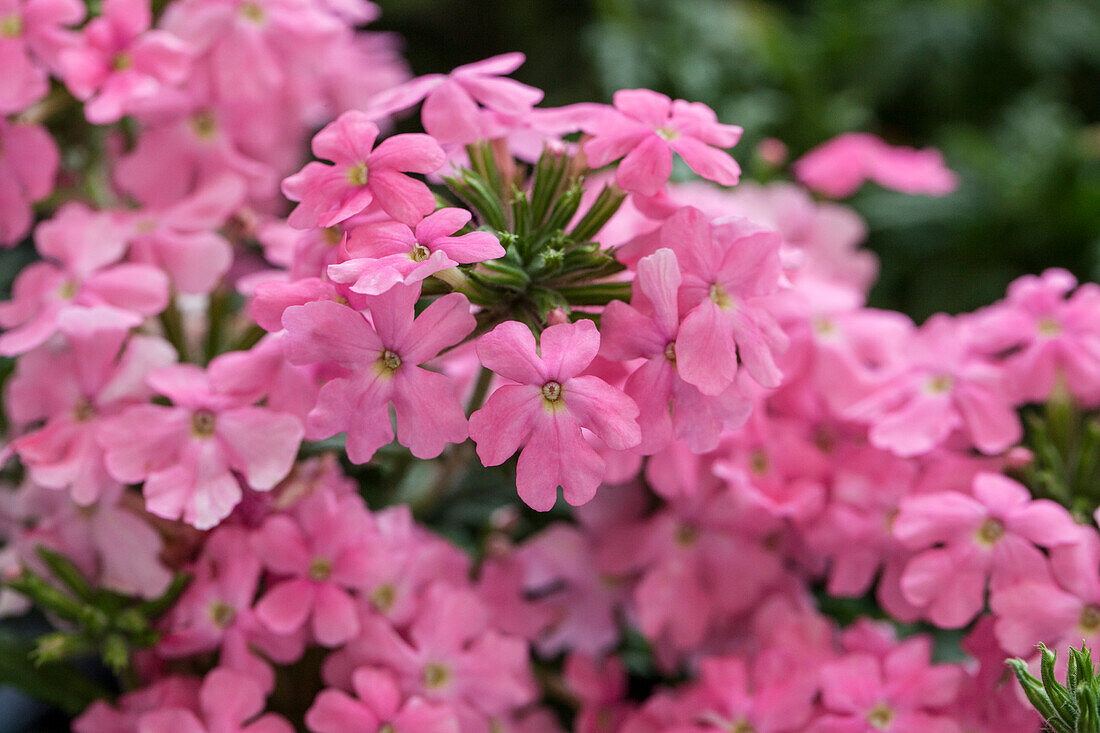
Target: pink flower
{"type": "Point", "coordinates": [547, 408]}
{"type": "Point", "coordinates": [73, 390]}
{"type": "Point", "coordinates": [120, 66]}
{"type": "Point", "coordinates": [182, 239]}
{"type": "Point", "coordinates": [229, 701]}
{"type": "Point", "coordinates": [451, 114]}
{"type": "Point", "coordinates": [764, 696]}
{"type": "Point", "coordinates": [186, 453]}
{"type": "Point", "coordinates": [729, 268]}
{"type": "Point", "coordinates": [648, 328]}
{"type": "Point", "coordinates": [85, 245]}
{"type": "Point", "coordinates": [29, 159]}
{"type": "Point", "coordinates": [383, 254]}
{"type": "Point", "coordinates": [840, 166]}
{"type": "Point", "coordinates": [378, 705]}
{"type": "Point", "coordinates": [31, 35]}
{"type": "Point", "coordinates": [169, 692]}
{"type": "Point", "coordinates": [647, 127]}
{"type": "Point", "coordinates": [329, 194]}
{"type": "Point", "coordinates": [383, 358]}
{"type": "Point", "coordinates": [215, 612]}
{"type": "Point", "coordinates": [963, 543]}
{"type": "Point", "coordinates": [320, 555]}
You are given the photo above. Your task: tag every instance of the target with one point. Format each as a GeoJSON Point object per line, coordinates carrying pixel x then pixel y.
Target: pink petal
{"type": "Point", "coordinates": [429, 414]}
{"type": "Point", "coordinates": [405, 199]}
{"type": "Point", "coordinates": [334, 711]}
{"type": "Point", "coordinates": [568, 348]}
{"type": "Point", "coordinates": [710, 163]}
{"type": "Point", "coordinates": [443, 323]}
{"type": "Point", "coordinates": [705, 352]}
{"type": "Point", "coordinates": [646, 168]}
{"type": "Point", "coordinates": [327, 331]}
{"type": "Point", "coordinates": [604, 410]}
{"type": "Point", "coordinates": [335, 617]}
{"type": "Point", "coordinates": [264, 444]}
{"type": "Point", "coordinates": [285, 608]}
{"type": "Point", "coordinates": [504, 422]}
{"type": "Point", "coordinates": [509, 350]}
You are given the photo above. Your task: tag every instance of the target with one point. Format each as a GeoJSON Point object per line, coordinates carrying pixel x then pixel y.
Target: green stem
{"type": "Point", "coordinates": [481, 390]}
{"type": "Point", "coordinates": [172, 322]}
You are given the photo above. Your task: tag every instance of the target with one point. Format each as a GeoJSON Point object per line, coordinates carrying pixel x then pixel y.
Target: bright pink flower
{"type": "Point", "coordinates": [943, 386]}
{"type": "Point", "coordinates": [182, 239]}
{"type": "Point", "coordinates": [840, 166]}
{"type": "Point", "coordinates": [900, 693]}
{"type": "Point", "coordinates": [321, 555]}
{"type": "Point", "coordinates": [451, 114]}
{"type": "Point", "coordinates": [600, 686]}
{"type": "Point", "coordinates": [230, 702]}
{"type": "Point", "coordinates": [215, 612]}
{"type": "Point", "coordinates": [383, 357]}
{"type": "Point", "coordinates": [729, 268]}
{"type": "Point", "coordinates": [383, 254]}
{"type": "Point", "coordinates": [965, 543]}
{"type": "Point", "coordinates": [647, 127]}
{"type": "Point", "coordinates": [170, 692]}
{"type": "Point", "coordinates": [73, 390]}
{"type": "Point", "coordinates": [547, 408]}
{"type": "Point", "coordinates": [648, 328]}
{"type": "Point", "coordinates": [186, 453]}
{"type": "Point", "coordinates": [120, 66]}
{"type": "Point", "coordinates": [329, 194]}
{"type": "Point", "coordinates": [31, 35]}
{"type": "Point", "coordinates": [378, 705]}
{"type": "Point", "coordinates": [86, 245]}
{"type": "Point", "coordinates": [764, 696]}
{"type": "Point", "coordinates": [263, 373]}
{"type": "Point", "coordinates": [29, 160]}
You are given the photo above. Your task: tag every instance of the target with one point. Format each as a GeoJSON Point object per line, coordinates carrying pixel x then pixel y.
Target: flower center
{"type": "Point", "coordinates": [824, 327]}
{"type": "Point", "coordinates": [436, 675]}
{"type": "Point", "coordinates": [388, 363]}
{"type": "Point", "coordinates": [67, 290]}
{"type": "Point", "coordinates": [320, 569]}
{"type": "Point", "coordinates": [252, 11]}
{"type": "Point", "coordinates": [357, 174]}
{"type": "Point", "coordinates": [1090, 618]}
{"type": "Point", "coordinates": [11, 26]}
{"type": "Point", "coordinates": [420, 253]}
{"type": "Point", "coordinates": [670, 351]}
{"type": "Point", "coordinates": [221, 614]}
{"type": "Point", "coordinates": [990, 531]}
{"type": "Point", "coordinates": [83, 411]}
{"type": "Point", "coordinates": [880, 716]}
{"type": "Point", "coordinates": [758, 462]}
{"type": "Point", "coordinates": [387, 728]}
{"type": "Point", "coordinates": [202, 424]}
{"type": "Point", "coordinates": [720, 297]}
{"type": "Point", "coordinates": [383, 597]}
{"type": "Point", "coordinates": [686, 535]}
{"type": "Point", "coordinates": [667, 133]}
{"type": "Point", "coordinates": [551, 393]}
{"type": "Point", "coordinates": [742, 726]}
{"type": "Point", "coordinates": [204, 126]}
{"type": "Point", "coordinates": [939, 384]}
{"type": "Point", "coordinates": [122, 62]}
{"type": "Point", "coordinates": [332, 235]}
{"type": "Point", "coordinates": [1049, 328]}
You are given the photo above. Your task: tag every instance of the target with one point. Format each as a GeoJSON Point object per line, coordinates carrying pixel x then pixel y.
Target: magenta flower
{"type": "Point", "coordinates": [120, 66]}
{"type": "Point", "coordinates": [230, 702]}
{"type": "Point", "coordinates": [86, 246]}
{"type": "Point", "coordinates": [186, 454]}
{"type": "Point", "coordinates": [320, 556]}
{"type": "Point", "coordinates": [730, 267]}
{"type": "Point", "coordinates": [840, 166]}
{"type": "Point", "coordinates": [73, 390]}
{"type": "Point", "coordinates": [383, 254]}
{"type": "Point", "coordinates": [329, 194]}
{"type": "Point", "coordinates": [648, 328]}
{"type": "Point", "coordinates": [647, 127]}
{"type": "Point", "coordinates": [31, 35]}
{"type": "Point", "coordinates": [29, 160]}
{"type": "Point", "coordinates": [965, 543]}
{"type": "Point", "coordinates": [379, 706]}
{"type": "Point", "coordinates": [451, 114]}
{"type": "Point", "coordinates": [547, 409]}
{"type": "Point", "coordinates": [383, 357]}
{"type": "Point", "coordinates": [763, 697]}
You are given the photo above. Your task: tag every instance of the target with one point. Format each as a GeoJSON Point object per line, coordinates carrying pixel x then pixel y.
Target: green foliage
{"type": "Point", "coordinates": [1070, 708]}
{"type": "Point", "coordinates": [1065, 442]}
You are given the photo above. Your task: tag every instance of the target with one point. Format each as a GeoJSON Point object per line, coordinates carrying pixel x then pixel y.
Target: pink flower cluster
{"type": "Point", "coordinates": [733, 425]}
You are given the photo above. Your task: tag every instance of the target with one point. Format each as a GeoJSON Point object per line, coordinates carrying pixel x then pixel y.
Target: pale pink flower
{"type": "Point", "coordinates": [383, 357]}
{"type": "Point", "coordinates": [31, 35]}
{"type": "Point", "coordinates": [648, 328]}
{"type": "Point", "coordinates": [229, 702]}
{"type": "Point", "coordinates": [451, 114]}
{"type": "Point", "coordinates": [378, 705]}
{"type": "Point", "coordinates": [86, 246]}
{"type": "Point", "coordinates": [360, 175]}
{"type": "Point", "coordinates": [29, 160]}
{"type": "Point", "coordinates": [965, 543]}
{"type": "Point", "coordinates": [73, 390]}
{"type": "Point", "coordinates": [840, 166]}
{"type": "Point", "coordinates": [186, 453]}
{"type": "Point", "coordinates": [647, 127]}
{"type": "Point", "coordinates": [382, 254]}
{"type": "Point", "coordinates": [319, 555]}
{"type": "Point", "coordinates": [547, 408]}
{"type": "Point", "coordinates": [119, 65]}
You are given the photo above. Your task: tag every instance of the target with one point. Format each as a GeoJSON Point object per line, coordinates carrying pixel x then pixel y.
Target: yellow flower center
{"type": "Point", "coordinates": [11, 26]}
{"type": "Point", "coordinates": [221, 614]}
{"type": "Point", "coordinates": [419, 253]}
{"type": "Point", "coordinates": [1090, 618]}
{"type": "Point", "coordinates": [880, 716]}
{"type": "Point", "coordinates": [320, 569]}
{"type": "Point", "coordinates": [990, 531]}
{"type": "Point", "coordinates": [202, 424]}
{"type": "Point", "coordinates": [357, 174]}
{"type": "Point", "coordinates": [436, 675]}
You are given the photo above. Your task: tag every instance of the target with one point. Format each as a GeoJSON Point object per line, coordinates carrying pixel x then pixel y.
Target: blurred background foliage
{"type": "Point", "coordinates": [1008, 89]}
